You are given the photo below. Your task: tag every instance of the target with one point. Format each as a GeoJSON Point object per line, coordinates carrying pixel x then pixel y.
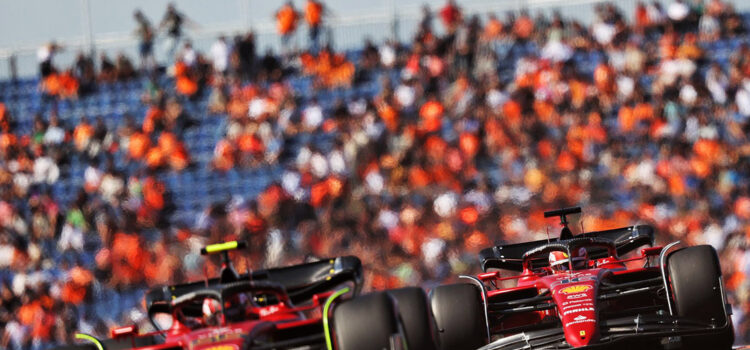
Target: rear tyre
{"type": "Point", "coordinates": [459, 316]}
{"type": "Point", "coordinates": [414, 313]}
{"type": "Point", "coordinates": [367, 322]}
{"type": "Point", "coordinates": [695, 274]}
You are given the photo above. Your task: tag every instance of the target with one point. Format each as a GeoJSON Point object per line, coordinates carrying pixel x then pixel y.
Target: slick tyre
{"type": "Point", "coordinates": [414, 313]}
{"type": "Point", "coordinates": [459, 316]}
{"type": "Point", "coordinates": [365, 323]}
{"type": "Point", "coordinates": [694, 273]}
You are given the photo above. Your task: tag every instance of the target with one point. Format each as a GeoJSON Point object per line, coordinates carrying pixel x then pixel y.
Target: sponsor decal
{"type": "Point", "coordinates": [577, 296]}
{"type": "Point", "coordinates": [269, 310]}
{"type": "Point", "coordinates": [580, 317]}
{"type": "Point", "coordinates": [582, 333]}
{"type": "Point", "coordinates": [218, 336]}
{"type": "Point", "coordinates": [580, 288]}
{"type": "Point", "coordinates": [223, 347]}
{"type": "Point", "coordinates": [581, 309]}
{"type": "Point", "coordinates": [581, 321]}
{"type": "Point", "coordinates": [578, 303]}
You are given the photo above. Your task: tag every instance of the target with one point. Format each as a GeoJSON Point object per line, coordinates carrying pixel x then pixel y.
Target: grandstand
{"type": "Point", "coordinates": [515, 135]}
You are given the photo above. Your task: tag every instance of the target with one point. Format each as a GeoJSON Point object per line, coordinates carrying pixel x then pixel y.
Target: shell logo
{"type": "Point", "coordinates": [575, 289]}
{"type": "Point", "coordinates": [223, 347]}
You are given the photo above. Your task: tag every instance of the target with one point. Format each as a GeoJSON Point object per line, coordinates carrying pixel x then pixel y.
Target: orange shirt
{"type": "Point", "coordinates": [153, 193]}
{"type": "Point", "coordinates": [603, 77]}
{"type": "Point", "coordinates": [250, 143]}
{"type": "Point", "coordinates": [313, 12]}
{"type": "Point", "coordinates": [52, 84]}
{"type": "Point", "coordinates": [431, 114]}
{"type": "Point", "coordinates": [82, 134]}
{"type": "Point", "coordinates": [154, 157]}
{"type": "Point", "coordinates": [224, 155]}
{"type": "Point", "coordinates": [286, 20]}
{"type": "Point", "coordinates": [68, 85]}
{"type": "Point", "coordinates": [138, 145]}
{"type": "Point", "coordinates": [389, 115]}
{"type": "Point", "coordinates": [469, 144]}
{"type": "Point", "coordinates": [626, 119]}
{"type": "Point", "coordinates": [153, 115]}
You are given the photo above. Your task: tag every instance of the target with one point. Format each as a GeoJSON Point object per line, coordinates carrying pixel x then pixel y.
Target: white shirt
{"type": "Point", "coordinates": [743, 101]}
{"type": "Point", "coordinates": [220, 55]}
{"type": "Point", "coordinates": [405, 95]}
{"type": "Point", "coordinates": [318, 165]}
{"type": "Point", "coordinates": [387, 55]}
{"type": "Point", "coordinates": [43, 54]}
{"type": "Point", "coordinates": [257, 107]}
{"type": "Point", "coordinates": [70, 238]}
{"type": "Point", "coordinates": [54, 135]}
{"type": "Point", "coordinates": [557, 51]}
{"type": "Point", "coordinates": [92, 176]}
{"type": "Point", "coordinates": [603, 33]}
{"type": "Point", "coordinates": [677, 11]}
{"type": "Point", "coordinates": [312, 116]}
{"type": "Point", "coordinates": [336, 162]}
{"type": "Point", "coordinates": [45, 170]}
{"type": "Point", "coordinates": [189, 56]}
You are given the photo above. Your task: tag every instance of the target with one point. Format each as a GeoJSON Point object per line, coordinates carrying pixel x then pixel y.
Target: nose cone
{"type": "Point", "coordinates": [576, 305]}
{"type": "Point", "coordinates": [581, 334]}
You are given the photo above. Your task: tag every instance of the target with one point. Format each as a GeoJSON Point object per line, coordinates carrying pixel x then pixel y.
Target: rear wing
{"type": "Point", "coordinates": [301, 282]}
{"type": "Point", "coordinates": [510, 256]}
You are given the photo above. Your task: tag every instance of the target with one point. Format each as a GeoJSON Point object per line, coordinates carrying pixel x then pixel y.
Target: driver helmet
{"type": "Point", "coordinates": [558, 261]}
{"type": "Point", "coordinates": [212, 312]}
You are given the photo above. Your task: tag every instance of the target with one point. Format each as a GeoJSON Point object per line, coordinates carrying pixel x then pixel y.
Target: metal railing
{"type": "Point", "coordinates": [343, 32]}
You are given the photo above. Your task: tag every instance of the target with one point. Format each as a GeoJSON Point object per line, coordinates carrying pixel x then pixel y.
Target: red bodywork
{"type": "Point", "coordinates": [258, 323]}
{"type": "Point", "coordinates": [573, 295]}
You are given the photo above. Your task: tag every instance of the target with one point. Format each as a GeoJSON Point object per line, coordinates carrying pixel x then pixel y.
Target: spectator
{"type": "Point", "coordinates": [172, 22]}
{"type": "Point", "coordinates": [45, 56]}
{"type": "Point", "coordinates": [286, 24]}
{"type": "Point", "coordinates": [220, 55]}
{"type": "Point", "coordinates": [145, 34]}
{"type": "Point", "coordinates": [450, 14]}
{"type": "Point", "coordinates": [314, 11]}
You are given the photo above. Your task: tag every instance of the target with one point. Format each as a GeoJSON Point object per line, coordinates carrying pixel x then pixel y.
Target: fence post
{"type": "Point", "coordinates": [394, 21]}
{"type": "Point", "coordinates": [88, 31]}
{"type": "Point", "coordinates": [12, 67]}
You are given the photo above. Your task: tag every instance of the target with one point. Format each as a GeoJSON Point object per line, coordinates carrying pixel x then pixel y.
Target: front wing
{"type": "Point", "coordinates": [656, 330]}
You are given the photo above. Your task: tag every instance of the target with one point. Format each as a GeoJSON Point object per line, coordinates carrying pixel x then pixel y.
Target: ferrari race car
{"type": "Point", "coordinates": [593, 290]}
{"type": "Point", "coordinates": [309, 306]}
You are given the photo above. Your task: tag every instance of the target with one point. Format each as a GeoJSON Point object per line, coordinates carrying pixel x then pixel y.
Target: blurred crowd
{"type": "Point", "coordinates": [634, 119]}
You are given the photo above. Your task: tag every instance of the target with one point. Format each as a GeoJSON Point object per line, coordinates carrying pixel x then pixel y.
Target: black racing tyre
{"type": "Point", "coordinates": [365, 323]}
{"type": "Point", "coordinates": [415, 315]}
{"type": "Point", "coordinates": [459, 316]}
{"type": "Point", "coordinates": [694, 273]}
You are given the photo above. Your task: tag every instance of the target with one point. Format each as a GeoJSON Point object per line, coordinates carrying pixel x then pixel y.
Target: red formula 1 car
{"type": "Point", "coordinates": [594, 290]}
{"type": "Point", "coordinates": [310, 306]}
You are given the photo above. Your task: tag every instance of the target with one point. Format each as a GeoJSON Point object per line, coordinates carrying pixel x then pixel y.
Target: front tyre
{"type": "Point", "coordinates": [414, 313]}
{"type": "Point", "coordinates": [695, 276]}
{"type": "Point", "coordinates": [367, 322]}
{"type": "Point", "coordinates": [459, 315]}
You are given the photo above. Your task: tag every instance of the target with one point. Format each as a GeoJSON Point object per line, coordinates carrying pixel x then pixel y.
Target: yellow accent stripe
{"type": "Point", "coordinates": [326, 308]}
{"type": "Point", "coordinates": [91, 339]}
{"type": "Point", "coordinates": [220, 247]}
